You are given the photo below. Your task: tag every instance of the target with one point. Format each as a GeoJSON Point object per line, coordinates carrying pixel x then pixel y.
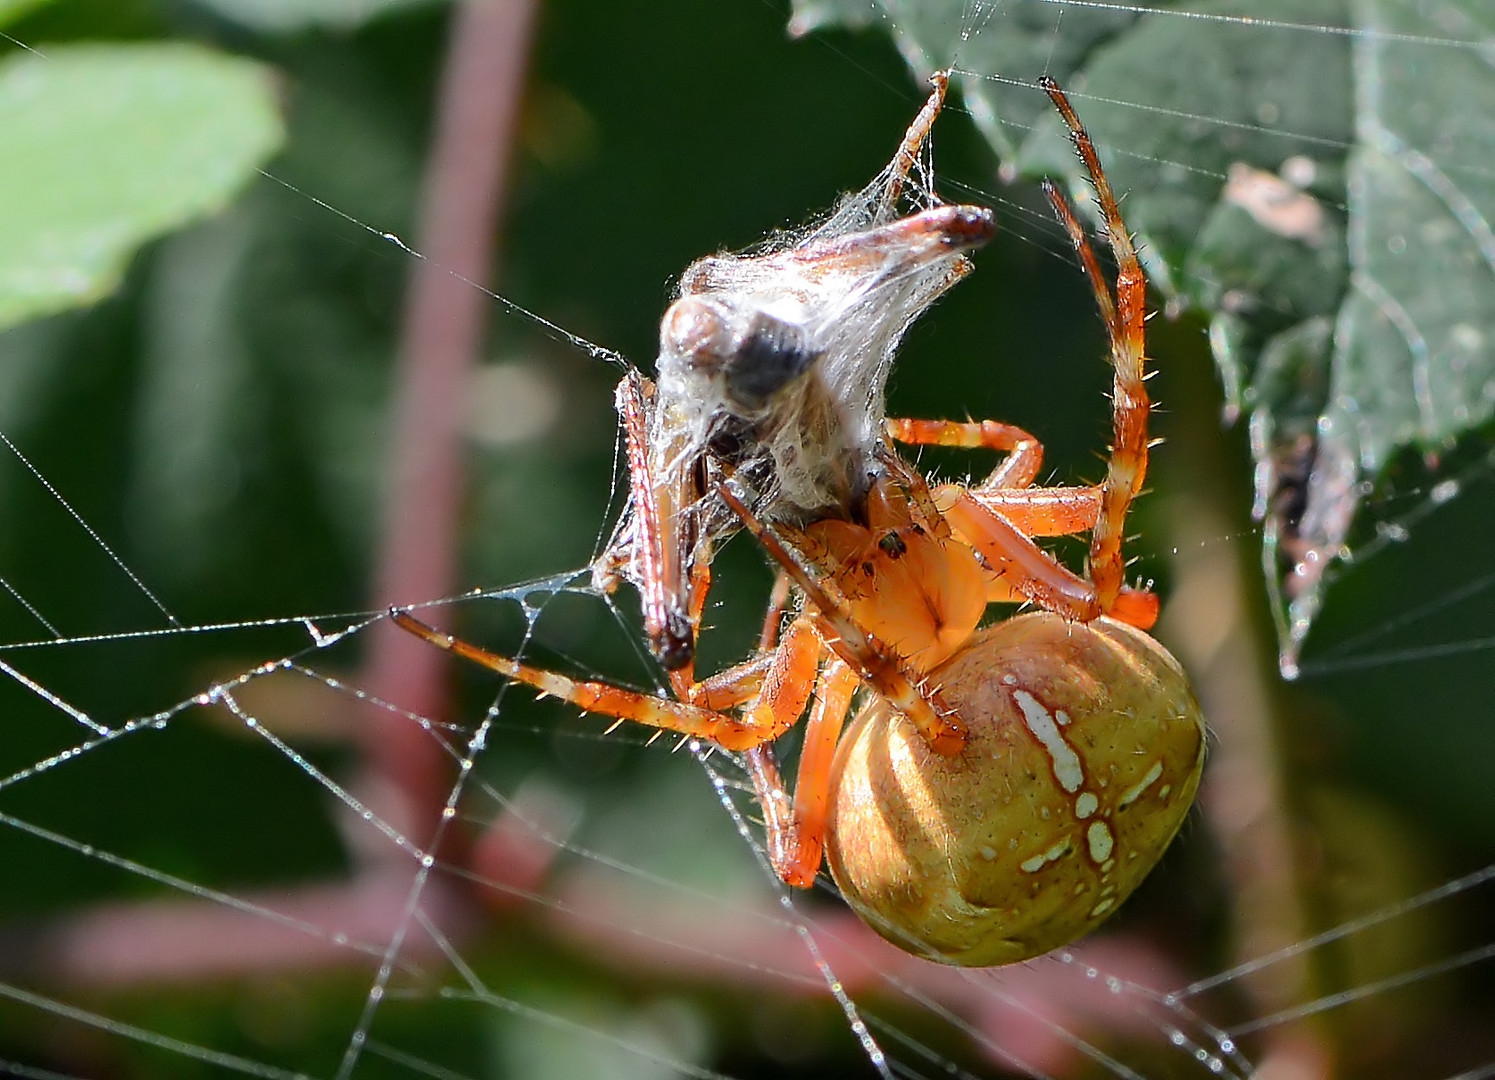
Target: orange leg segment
{"type": "Point", "coordinates": [1124, 318]}
{"type": "Point", "coordinates": [778, 689]}
{"type": "Point", "coordinates": [1057, 511]}
{"type": "Point", "coordinates": [1018, 470]}
{"type": "Point", "coordinates": [683, 678]}
{"type": "Point", "coordinates": [773, 618]}
{"type": "Point", "coordinates": [796, 834]}
{"type": "Point", "coordinates": [1034, 574]}
{"type": "Point", "coordinates": [753, 728]}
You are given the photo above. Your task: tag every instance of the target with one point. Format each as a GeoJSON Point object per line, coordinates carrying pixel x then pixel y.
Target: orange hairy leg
{"type": "Point", "coordinates": [1036, 511]}
{"type": "Point", "coordinates": [778, 600]}
{"type": "Point", "coordinates": [1000, 517]}
{"type": "Point", "coordinates": [796, 828]}
{"type": "Point", "coordinates": [1125, 321]}
{"type": "Point", "coordinates": [1034, 575]}
{"type": "Point", "coordinates": [778, 689]}
{"type": "Point", "coordinates": [1017, 470]}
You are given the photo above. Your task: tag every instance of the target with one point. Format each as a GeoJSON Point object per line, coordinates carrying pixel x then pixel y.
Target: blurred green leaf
{"type": "Point", "coordinates": [281, 16]}
{"type": "Point", "coordinates": [1332, 224]}
{"type": "Point", "coordinates": [11, 10]}
{"type": "Point", "coordinates": [109, 146]}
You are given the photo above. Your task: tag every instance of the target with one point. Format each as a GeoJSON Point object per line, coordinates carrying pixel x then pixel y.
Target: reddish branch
{"type": "Point", "coordinates": [477, 114]}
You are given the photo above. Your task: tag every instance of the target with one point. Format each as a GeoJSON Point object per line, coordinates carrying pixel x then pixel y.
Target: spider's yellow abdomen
{"type": "Point", "coordinates": [1084, 753]}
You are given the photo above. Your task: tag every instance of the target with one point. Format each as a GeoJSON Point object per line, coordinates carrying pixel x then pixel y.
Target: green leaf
{"type": "Point", "coordinates": [109, 146]}
{"type": "Point", "coordinates": [11, 10]}
{"type": "Point", "coordinates": [283, 16]}
{"type": "Point", "coordinates": [1324, 196]}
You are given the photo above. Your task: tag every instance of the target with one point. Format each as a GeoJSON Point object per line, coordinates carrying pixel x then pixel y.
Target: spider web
{"type": "Point", "coordinates": [228, 855]}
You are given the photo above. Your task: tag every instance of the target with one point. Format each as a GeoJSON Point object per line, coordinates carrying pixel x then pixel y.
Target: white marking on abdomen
{"type": "Point", "coordinates": [1134, 792]}
{"type": "Point", "coordinates": [1067, 768]}
{"type": "Point", "coordinates": [1100, 840]}
{"type": "Point", "coordinates": [1037, 862]}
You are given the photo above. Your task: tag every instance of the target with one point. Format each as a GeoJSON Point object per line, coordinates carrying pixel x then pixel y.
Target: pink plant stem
{"type": "Point", "coordinates": [477, 110]}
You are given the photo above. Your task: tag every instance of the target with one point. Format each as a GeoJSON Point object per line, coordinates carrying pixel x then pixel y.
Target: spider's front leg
{"type": "Point", "coordinates": [1032, 573]}
{"type": "Point", "coordinates": [774, 689]}
{"type": "Point", "coordinates": [1008, 490]}
{"type": "Point", "coordinates": [1017, 470]}
{"type": "Point", "coordinates": [1124, 316]}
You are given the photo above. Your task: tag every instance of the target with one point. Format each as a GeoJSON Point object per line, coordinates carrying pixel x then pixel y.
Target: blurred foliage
{"type": "Point", "coordinates": [10, 10]}
{"type": "Point", "coordinates": [221, 423]}
{"type": "Point", "coordinates": [110, 146]}
{"type": "Point", "coordinates": [288, 16]}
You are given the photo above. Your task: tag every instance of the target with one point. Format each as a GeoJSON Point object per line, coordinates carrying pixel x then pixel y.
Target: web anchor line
{"type": "Point", "coordinates": [554, 330]}
{"type": "Point", "coordinates": [92, 533]}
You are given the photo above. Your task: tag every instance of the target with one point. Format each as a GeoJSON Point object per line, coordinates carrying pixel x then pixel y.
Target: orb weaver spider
{"type": "Point", "coordinates": [1003, 787]}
